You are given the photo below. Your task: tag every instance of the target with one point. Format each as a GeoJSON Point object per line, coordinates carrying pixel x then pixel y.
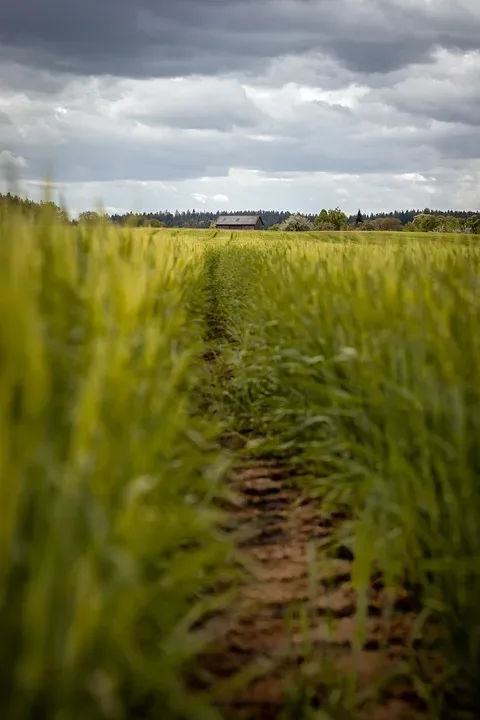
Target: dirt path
{"type": "Point", "coordinates": [294, 617]}
{"type": "Point", "coordinates": [281, 593]}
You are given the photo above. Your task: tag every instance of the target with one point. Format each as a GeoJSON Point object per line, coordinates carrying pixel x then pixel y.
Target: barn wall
{"type": "Point", "coordinates": [236, 227]}
{"type": "Point", "coordinates": [258, 226]}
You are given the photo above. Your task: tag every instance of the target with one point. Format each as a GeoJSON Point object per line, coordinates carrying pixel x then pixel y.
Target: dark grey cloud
{"type": "Point", "coordinates": [105, 129]}
{"type": "Point", "coordinates": [459, 143]}
{"type": "Point", "coordinates": [320, 140]}
{"type": "Point", "coordinates": [444, 109]}
{"type": "Point", "coordinates": [442, 102]}
{"type": "Point", "coordinates": [447, 91]}
{"type": "Point", "coordinates": [32, 80]}
{"type": "Point", "coordinates": [206, 104]}
{"type": "Point", "coordinates": [181, 37]}
{"type": "Point", "coordinates": [152, 92]}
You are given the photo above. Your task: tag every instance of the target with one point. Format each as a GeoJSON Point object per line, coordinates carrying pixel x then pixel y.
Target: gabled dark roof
{"type": "Point", "coordinates": [239, 219]}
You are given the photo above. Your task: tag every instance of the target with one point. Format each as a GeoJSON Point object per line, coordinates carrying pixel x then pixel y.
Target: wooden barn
{"type": "Point", "coordinates": [240, 222]}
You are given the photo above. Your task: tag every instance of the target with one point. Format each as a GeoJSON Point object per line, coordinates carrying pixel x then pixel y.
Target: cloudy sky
{"type": "Point", "coordinates": [231, 104]}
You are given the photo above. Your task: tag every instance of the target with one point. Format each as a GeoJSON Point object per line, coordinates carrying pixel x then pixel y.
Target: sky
{"type": "Point", "coordinates": [242, 104]}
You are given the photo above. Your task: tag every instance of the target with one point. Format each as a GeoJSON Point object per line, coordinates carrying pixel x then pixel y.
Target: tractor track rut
{"type": "Point", "coordinates": [290, 610]}
{"type": "Point", "coordinates": [278, 528]}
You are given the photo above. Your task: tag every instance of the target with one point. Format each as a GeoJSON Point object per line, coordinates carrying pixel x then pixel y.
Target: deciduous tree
{"type": "Point", "coordinates": [336, 218]}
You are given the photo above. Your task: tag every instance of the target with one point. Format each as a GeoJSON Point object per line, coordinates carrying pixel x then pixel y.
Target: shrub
{"type": "Point", "coordinates": [296, 223]}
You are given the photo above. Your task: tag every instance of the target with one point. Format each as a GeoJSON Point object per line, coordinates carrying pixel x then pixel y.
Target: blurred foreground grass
{"type": "Point", "coordinates": [108, 476]}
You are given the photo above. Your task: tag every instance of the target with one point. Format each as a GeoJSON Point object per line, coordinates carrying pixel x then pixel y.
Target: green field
{"type": "Point", "coordinates": [126, 358]}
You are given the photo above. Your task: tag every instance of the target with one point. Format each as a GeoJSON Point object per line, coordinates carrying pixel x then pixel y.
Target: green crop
{"type": "Point", "coordinates": [360, 361]}
{"type": "Point", "coordinates": [124, 353]}
{"type": "Point", "coordinates": [109, 541]}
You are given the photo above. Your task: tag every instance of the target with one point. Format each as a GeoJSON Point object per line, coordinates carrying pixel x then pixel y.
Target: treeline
{"type": "Point", "coordinates": [29, 208]}
{"type": "Point", "coordinates": [422, 222]}
{"type": "Point", "coordinates": [426, 220]}
{"type": "Point", "coordinates": [454, 220]}
{"type": "Point", "coordinates": [408, 216]}
{"type": "Point", "coordinates": [193, 218]}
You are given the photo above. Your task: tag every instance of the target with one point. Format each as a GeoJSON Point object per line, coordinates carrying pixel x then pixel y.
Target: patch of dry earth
{"type": "Point", "coordinates": [261, 626]}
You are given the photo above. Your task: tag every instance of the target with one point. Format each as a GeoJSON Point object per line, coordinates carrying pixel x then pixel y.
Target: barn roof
{"type": "Point", "coordinates": [238, 219]}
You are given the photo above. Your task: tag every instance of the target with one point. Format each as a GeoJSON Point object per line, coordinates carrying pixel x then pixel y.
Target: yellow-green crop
{"type": "Point", "coordinates": [361, 360]}
{"type": "Point", "coordinates": [109, 547]}
{"type": "Point", "coordinates": [353, 355]}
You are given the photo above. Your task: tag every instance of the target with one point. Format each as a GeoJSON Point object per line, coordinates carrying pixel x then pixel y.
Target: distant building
{"type": "Point", "coordinates": [240, 222]}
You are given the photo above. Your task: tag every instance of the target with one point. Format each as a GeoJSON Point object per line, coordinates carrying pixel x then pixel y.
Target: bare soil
{"type": "Point", "coordinates": [289, 612]}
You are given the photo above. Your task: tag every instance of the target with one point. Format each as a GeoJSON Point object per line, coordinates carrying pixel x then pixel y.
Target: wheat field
{"type": "Point", "coordinates": [353, 357]}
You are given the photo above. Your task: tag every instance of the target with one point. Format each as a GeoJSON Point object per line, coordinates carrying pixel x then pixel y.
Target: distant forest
{"type": "Point", "coordinates": [203, 219]}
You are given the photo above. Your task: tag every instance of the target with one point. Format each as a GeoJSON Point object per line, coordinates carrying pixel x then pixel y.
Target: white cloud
{"type": "Point", "coordinates": [10, 161]}
{"type": "Point", "coordinates": [302, 133]}
{"type": "Point", "coordinates": [456, 187]}
{"type": "Point", "coordinates": [217, 197]}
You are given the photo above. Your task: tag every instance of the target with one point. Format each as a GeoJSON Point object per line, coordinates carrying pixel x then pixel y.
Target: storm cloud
{"type": "Point", "coordinates": [164, 38]}
{"type": "Point", "coordinates": [301, 96]}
